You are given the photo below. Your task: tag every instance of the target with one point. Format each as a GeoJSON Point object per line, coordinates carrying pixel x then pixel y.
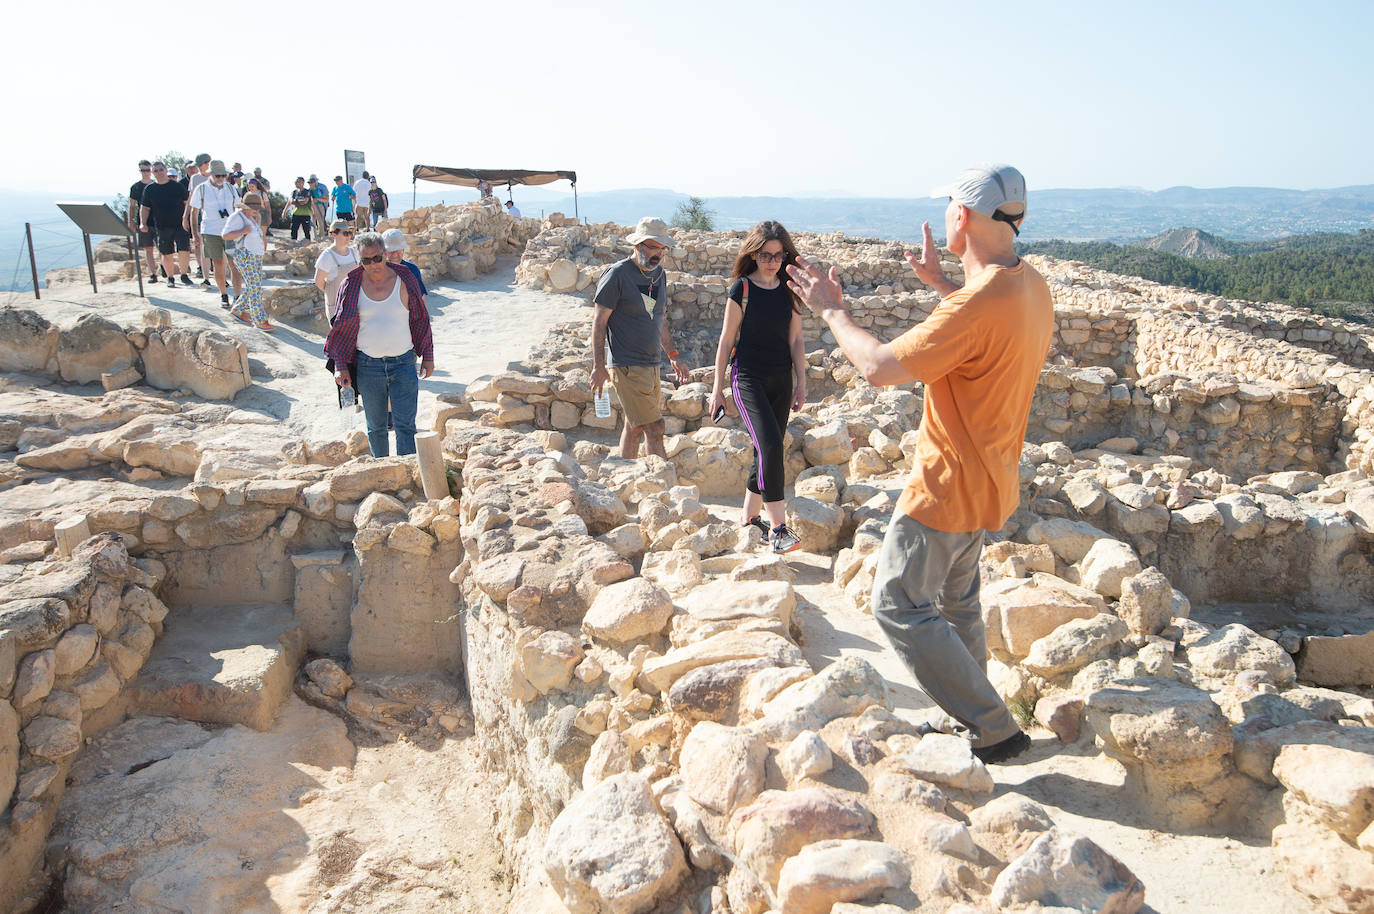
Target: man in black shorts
{"type": "Point", "coordinates": [162, 207]}
{"type": "Point", "coordinates": [144, 240]}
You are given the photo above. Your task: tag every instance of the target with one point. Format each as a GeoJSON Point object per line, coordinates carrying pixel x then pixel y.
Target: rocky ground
{"type": "Point", "coordinates": [376, 793]}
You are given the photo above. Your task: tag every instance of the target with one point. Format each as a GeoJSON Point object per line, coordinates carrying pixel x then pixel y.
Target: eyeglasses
{"type": "Point", "coordinates": [765, 257]}
{"type": "Point", "coordinates": [368, 261]}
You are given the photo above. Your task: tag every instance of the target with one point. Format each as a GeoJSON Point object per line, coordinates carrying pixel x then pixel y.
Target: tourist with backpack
{"type": "Point", "coordinates": [378, 200]}
{"type": "Point", "coordinates": [301, 202]}
{"type": "Point", "coordinates": [760, 356]}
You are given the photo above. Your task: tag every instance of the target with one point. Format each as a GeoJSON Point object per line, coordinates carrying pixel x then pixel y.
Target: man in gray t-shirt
{"type": "Point", "coordinates": [631, 304]}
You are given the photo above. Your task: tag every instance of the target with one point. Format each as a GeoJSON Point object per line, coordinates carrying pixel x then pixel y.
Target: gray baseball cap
{"type": "Point", "coordinates": [988, 189]}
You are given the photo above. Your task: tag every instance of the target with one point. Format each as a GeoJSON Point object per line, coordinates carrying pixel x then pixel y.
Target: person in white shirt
{"type": "Point", "coordinates": [210, 206]}
{"type": "Point", "coordinates": [333, 264]}
{"type": "Point", "coordinates": [512, 209]}
{"type": "Point", "coordinates": [361, 201]}
{"type": "Point", "coordinates": [198, 174]}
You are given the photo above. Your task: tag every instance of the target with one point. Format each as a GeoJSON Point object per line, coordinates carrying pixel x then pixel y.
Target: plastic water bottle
{"type": "Point", "coordinates": [348, 408]}
{"type": "Point", "coordinates": [603, 403]}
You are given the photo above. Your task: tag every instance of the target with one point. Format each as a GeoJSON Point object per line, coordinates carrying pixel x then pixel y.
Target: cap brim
{"type": "Point", "coordinates": [944, 190]}
{"type": "Point", "coordinates": [636, 238]}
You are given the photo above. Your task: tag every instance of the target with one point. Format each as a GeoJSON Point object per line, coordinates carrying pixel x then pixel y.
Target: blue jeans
{"type": "Point", "coordinates": [391, 379]}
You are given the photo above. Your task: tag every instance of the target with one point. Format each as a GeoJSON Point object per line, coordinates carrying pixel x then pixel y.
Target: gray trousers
{"type": "Point", "coordinates": [925, 598]}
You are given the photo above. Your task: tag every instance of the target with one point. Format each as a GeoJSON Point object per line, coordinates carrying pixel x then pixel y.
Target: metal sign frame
{"type": "Point", "coordinates": [99, 219]}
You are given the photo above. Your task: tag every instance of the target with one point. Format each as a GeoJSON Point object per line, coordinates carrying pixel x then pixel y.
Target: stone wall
{"type": "Point", "coordinates": [96, 350]}
{"type": "Point", "coordinates": [72, 634]}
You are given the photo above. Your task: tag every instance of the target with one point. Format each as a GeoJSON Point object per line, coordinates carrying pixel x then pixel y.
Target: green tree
{"type": "Point", "coordinates": [173, 159]}
{"type": "Point", "coordinates": [693, 214]}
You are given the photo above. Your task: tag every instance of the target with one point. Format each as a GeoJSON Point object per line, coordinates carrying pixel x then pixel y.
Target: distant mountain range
{"type": "Point", "coordinates": [1121, 215]}
{"type": "Point", "coordinates": [1187, 242]}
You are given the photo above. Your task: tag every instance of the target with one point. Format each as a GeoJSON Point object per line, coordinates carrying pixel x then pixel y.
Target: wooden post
{"type": "Point", "coordinates": [71, 532]}
{"type": "Point", "coordinates": [429, 453]}
{"type": "Point", "coordinates": [33, 264]}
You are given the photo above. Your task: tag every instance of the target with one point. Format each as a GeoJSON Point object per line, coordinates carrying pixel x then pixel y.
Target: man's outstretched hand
{"type": "Point", "coordinates": [819, 290]}
{"type": "Point", "coordinates": [927, 266]}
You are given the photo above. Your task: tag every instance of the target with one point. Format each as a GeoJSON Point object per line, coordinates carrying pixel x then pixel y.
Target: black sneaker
{"type": "Point", "coordinates": [1008, 748]}
{"type": "Point", "coordinates": [163, 270]}
{"type": "Point", "coordinates": [171, 283]}
{"type": "Point", "coordinates": [186, 280]}
{"type": "Point", "coordinates": [783, 540]}
{"type": "Point", "coordinates": [205, 284]}
{"type": "Point", "coordinates": [224, 301]}
{"type": "Point", "coordinates": [758, 521]}
{"type": "Point", "coordinates": [199, 274]}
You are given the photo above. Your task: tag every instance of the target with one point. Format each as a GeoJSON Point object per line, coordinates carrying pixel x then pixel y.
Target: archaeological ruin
{"type": "Point", "coordinates": [207, 615]}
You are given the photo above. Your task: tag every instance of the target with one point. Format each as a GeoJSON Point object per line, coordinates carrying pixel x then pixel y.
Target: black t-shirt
{"type": "Point", "coordinates": [136, 191]}
{"type": "Point", "coordinates": [166, 203]}
{"type": "Point", "coordinates": [762, 342]}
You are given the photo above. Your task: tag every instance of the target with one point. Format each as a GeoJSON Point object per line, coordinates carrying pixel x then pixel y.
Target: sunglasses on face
{"type": "Point", "coordinates": [145, 170]}
{"type": "Point", "coordinates": [765, 257]}
{"type": "Point", "coordinates": [368, 261]}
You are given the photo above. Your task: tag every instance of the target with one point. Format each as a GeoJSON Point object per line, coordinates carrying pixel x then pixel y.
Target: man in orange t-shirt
{"type": "Point", "coordinates": [979, 354]}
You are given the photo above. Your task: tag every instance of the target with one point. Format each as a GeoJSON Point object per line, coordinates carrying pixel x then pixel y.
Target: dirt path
{"type": "Point", "coordinates": [478, 327]}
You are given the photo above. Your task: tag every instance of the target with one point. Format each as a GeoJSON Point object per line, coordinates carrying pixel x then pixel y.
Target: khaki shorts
{"type": "Point", "coordinates": [638, 387]}
{"type": "Point", "coordinates": [214, 246]}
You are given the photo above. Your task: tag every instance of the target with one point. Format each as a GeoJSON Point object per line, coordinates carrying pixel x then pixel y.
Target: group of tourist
{"type": "Point", "coordinates": [979, 355]}
{"type": "Point", "coordinates": [222, 217]}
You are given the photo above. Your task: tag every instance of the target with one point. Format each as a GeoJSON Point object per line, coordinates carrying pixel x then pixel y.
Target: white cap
{"type": "Point", "coordinates": [988, 189]}
{"type": "Point", "coordinates": [393, 239]}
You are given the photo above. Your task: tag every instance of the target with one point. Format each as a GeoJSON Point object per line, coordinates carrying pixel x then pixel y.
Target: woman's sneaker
{"type": "Point", "coordinates": [783, 540]}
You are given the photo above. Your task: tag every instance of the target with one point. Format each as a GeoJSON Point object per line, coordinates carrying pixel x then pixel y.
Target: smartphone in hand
{"type": "Point", "coordinates": [720, 414]}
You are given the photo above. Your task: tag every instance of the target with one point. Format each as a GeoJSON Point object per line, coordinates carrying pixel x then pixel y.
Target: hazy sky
{"type": "Point", "coordinates": [703, 97]}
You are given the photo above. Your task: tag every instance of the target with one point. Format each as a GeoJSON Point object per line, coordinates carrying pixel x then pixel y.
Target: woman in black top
{"type": "Point", "coordinates": [760, 357]}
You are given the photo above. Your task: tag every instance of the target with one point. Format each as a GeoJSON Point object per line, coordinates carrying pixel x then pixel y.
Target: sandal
{"type": "Point", "coordinates": [265, 327]}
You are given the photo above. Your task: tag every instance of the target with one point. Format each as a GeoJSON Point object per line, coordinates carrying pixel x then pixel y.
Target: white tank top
{"type": "Point", "coordinates": [383, 326]}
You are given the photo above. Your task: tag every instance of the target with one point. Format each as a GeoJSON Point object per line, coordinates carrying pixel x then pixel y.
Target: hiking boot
{"type": "Point", "coordinates": [186, 280]}
{"type": "Point", "coordinates": [757, 521]}
{"type": "Point", "coordinates": [783, 540]}
{"type": "Point", "coordinates": [1008, 748]}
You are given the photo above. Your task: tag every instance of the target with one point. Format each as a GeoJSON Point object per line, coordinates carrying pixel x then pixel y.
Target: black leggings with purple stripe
{"type": "Point", "coordinates": [764, 399]}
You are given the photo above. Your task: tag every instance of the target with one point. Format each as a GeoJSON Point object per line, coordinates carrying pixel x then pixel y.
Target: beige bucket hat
{"type": "Point", "coordinates": [651, 228]}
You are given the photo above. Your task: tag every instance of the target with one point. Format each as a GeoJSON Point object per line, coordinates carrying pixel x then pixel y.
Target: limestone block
{"type": "Point", "coordinates": [51, 738]}
{"type": "Point", "coordinates": [628, 611]}
{"type": "Point", "coordinates": [944, 759]}
{"type": "Point", "coordinates": [377, 509]}
{"type": "Point", "coordinates": [725, 599]}
{"type": "Point", "coordinates": [1336, 783]}
{"type": "Point", "coordinates": [75, 649]}
{"type": "Point", "coordinates": [420, 632]}
{"type": "Point", "coordinates": [210, 363]}
{"type": "Point", "coordinates": [807, 756]}
{"type": "Point", "coordinates": [359, 477]}
{"type": "Point", "coordinates": [97, 688]}
{"type": "Point", "coordinates": [610, 755]}
{"type": "Point", "coordinates": [1107, 563]}
{"type": "Point", "coordinates": [722, 767]}
{"type": "Point", "coordinates": [845, 687]}
{"type": "Point", "coordinates": [817, 523]}
{"type": "Point", "coordinates": [1146, 602]}
{"type": "Point", "coordinates": [1075, 644]}
{"type": "Point", "coordinates": [1337, 660]}
{"type": "Point", "coordinates": [1086, 495]}
{"type": "Point", "coordinates": [1069, 539]}
{"type": "Point", "coordinates": [827, 444]}
{"type": "Point", "coordinates": [547, 661]}
{"type": "Point", "coordinates": [37, 671]}
{"type": "Point", "coordinates": [779, 824]}
{"type": "Point", "coordinates": [611, 849]}
{"type": "Point", "coordinates": [1062, 868]}
{"type": "Point", "coordinates": [712, 692]}
{"type": "Point", "coordinates": [627, 540]}
{"type": "Point", "coordinates": [1224, 654]}
{"type": "Point", "coordinates": [677, 571]}
{"type": "Point", "coordinates": [1322, 867]}
{"type": "Point", "coordinates": [663, 671]}
{"type": "Point", "coordinates": [829, 872]}
{"type": "Point", "coordinates": [329, 676]}
{"type": "Point", "coordinates": [93, 346]}
{"type": "Point", "coordinates": [28, 343]}
{"type": "Point", "coordinates": [1019, 612]}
